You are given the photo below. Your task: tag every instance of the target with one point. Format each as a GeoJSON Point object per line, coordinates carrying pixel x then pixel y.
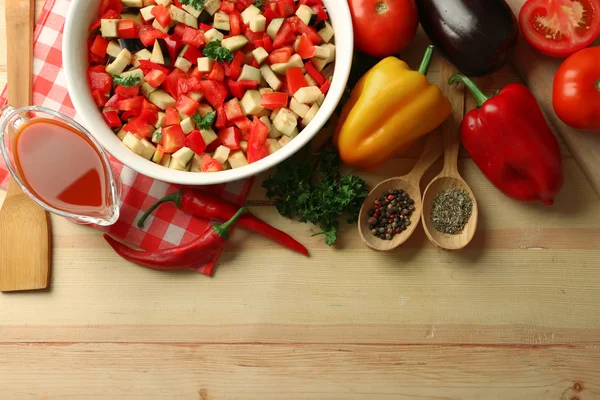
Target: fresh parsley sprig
{"type": "Point", "coordinates": [197, 4]}
{"type": "Point", "coordinates": [126, 81]}
{"type": "Point", "coordinates": [204, 122]}
{"type": "Point", "coordinates": [216, 52]}
{"type": "Point", "coordinates": [259, 3]}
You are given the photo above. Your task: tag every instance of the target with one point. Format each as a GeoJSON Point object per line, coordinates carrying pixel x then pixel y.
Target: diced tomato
{"type": "Point", "coordinates": [171, 116]}
{"type": "Point", "coordinates": [162, 15]}
{"type": "Point", "coordinates": [267, 44]}
{"type": "Point", "coordinates": [230, 137]}
{"type": "Point", "coordinates": [147, 66]}
{"type": "Point", "coordinates": [112, 119]}
{"type": "Point", "coordinates": [110, 14]}
{"type": "Point", "coordinates": [192, 54]}
{"type": "Point", "coordinates": [113, 102]}
{"type": "Point", "coordinates": [94, 59]}
{"type": "Point", "coordinates": [171, 84]}
{"type": "Point", "coordinates": [235, 68]}
{"type": "Point", "coordinates": [243, 123]}
{"type": "Point", "coordinates": [321, 14]}
{"type": "Point", "coordinates": [270, 15]}
{"type": "Point", "coordinates": [148, 35]}
{"type": "Point", "coordinates": [99, 97]}
{"type": "Point", "coordinates": [97, 68]}
{"type": "Point", "coordinates": [204, 27]}
{"type": "Point", "coordinates": [281, 55]}
{"type": "Point", "coordinates": [313, 73]}
{"type": "Point", "coordinates": [258, 43]}
{"type": "Point", "coordinates": [128, 92]}
{"type": "Point", "coordinates": [274, 100]}
{"type": "Point", "coordinates": [295, 79]}
{"type": "Point", "coordinates": [179, 30]}
{"type": "Point", "coordinates": [100, 81]}
{"type": "Point", "coordinates": [209, 164]}
{"type": "Point", "coordinates": [139, 127]}
{"type": "Point", "coordinates": [192, 37]}
{"type": "Point", "coordinates": [257, 145]}
{"type": "Point", "coordinates": [236, 88]}
{"type": "Point", "coordinates": [286, 7]}
{"type": "Point", "coordinates": [173, 45]}
{"type": "Point", "coordinates": [99, 46]}
{"type": "Point", "coordinates": [173, 138]}
{"type": "Point", "coordinates": [195, 142]}
{"type": "Point", "coordinates": [126, 29]}
{"type": "Point", "coordinates": [214, 145]}
{"type": "Point", "coordinates": [134, 103]}
{"type": "Point", "coordinates": [131, 114]}
{"type": "Point", "coordinates": [217, 73]}
{"type": "Point", "coordinates": [186, 106]}
{"type": "Point", "coordinates": [112, 5]}
{"type": "Point", "coordinates": [300, 27]}
{"type": "Point", "coordinates": [282, 37]}
{"type": "Point", "coordinates": [252, 36]}
{"type": "Point", "coordinates": [235, 25]}
{"type": "Point", "coordinates": [149, 112]}
{"type": "Point", "coordinates": [155, 78]}
{"type": "Point", "coordinates": [305, 47]}
{"type": "Point", "coordinates": [248, 84]}
{"type": "Point", "coordinates": [227, 7]}
{"type": "Point", "coordinates": [242, 5]}
{"type": "Point", "coordinates": [221, 121]}
{"type": "Point", "coordinates": [215, 92]}
{"type": "Point", "coordinates": [325, 87]}
{"type": "Point", "coordinates": [233, 110]}
{"type": "Point", "coordinates": [191, 84]}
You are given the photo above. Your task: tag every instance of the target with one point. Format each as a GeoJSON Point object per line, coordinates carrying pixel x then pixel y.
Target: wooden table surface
{"type": "Point", "coordinates": [516, 315]}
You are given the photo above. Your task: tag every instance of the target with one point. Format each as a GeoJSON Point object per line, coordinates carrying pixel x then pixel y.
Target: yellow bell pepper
{"type": "Point", "coordinates": [390, 107]}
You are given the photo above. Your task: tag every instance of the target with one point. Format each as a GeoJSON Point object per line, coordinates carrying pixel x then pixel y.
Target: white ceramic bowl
{"type": "Point", "coordinates": [83, 12]}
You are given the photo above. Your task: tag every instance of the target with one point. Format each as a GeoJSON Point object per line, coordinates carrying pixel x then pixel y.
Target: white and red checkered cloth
{"type": "Point", "coordinates": [168, 226]}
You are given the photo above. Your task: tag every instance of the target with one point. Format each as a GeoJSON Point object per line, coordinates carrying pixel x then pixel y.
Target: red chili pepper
{"type": "Point", "coordinates": [510, 141]}
{"type": "Point", "coordinates": [188, 255]}
{"type": "Point", "coordinates": [207, 206]}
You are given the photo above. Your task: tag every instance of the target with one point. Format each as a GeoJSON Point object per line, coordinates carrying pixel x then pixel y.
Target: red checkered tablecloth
{"type": "Point", "coordinates": [168, 226]}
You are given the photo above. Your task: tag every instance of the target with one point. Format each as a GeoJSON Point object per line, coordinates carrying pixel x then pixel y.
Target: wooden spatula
{"type": "Point", "coordinates": [24, 226]}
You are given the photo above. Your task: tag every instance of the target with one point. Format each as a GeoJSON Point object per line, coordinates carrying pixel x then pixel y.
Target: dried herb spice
{"type": "Point", "coordinates": [451, 210]}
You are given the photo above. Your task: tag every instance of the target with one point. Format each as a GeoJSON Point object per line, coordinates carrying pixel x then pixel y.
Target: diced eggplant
{"type": "Point", "coordinates": [205, 64]}
{"type": "Point", "coordinates": [187, 125]}
{"type": "Point", "coordinates": [113, 48]}
{"type": "Point", "coordinates": [273, 145]}
{"type": "Point", "coordinates": [249, 13]}
{"type": "Point", "coordinates": [258, 23]}
{"type": "Point", "coordinates": [237, 159]}
{"type": "Point", "coordinates": [208, 135]}
{"type": "Point", "coordinates": [133, 45]}
{"type": "Point", "coordinates": [310, 115]}
{"type": "Point", "coordinates": [326, 33]}
{"type": "Point", "coordinates": [273, 27]}
{"type": "Point", "coordinates": [121, 134]}
{"type": "Point", "coordinates": [166, 160]}
{"type": "Point", "coordinates": [133, 3]}
{"type": "Point", "coordinates": [183, 156]}
{"type": "Point", "coordinates": [234, 43]}
{"type": "Point", "coordinates": [221, 154]}
{"type": "Point", "coordinates": [221, 21]}
{"type": "Point", "coordinates": [108, 27]}
{"type": "Point", "coordinates": [158, 156]}
{"type": "Point", "coordinates": [212, 35]}
{"type": "Point", "coordinates": [173, 164]}
{"type": "Point", "coordinates": [157, 136]}
{"type": "Point", "coordinates": [165, 51]}
{"type": "Point", "coordinates": [147, 90]}
{"type": "Point", "coordinates": [260, 54]}
{"type": "Point", "coordinates": [133, 142]}
{"type": "Point", "coordinates": [211, 6]}
{"type": "Point", "coordinates": [284, 140]}
{"type": "Point", "coordinates": [141, 55]}
{"type": "Point", "coordinates": [135, 17]}
{"type": "Point", "coordinates": [196, 163]}
{"type": "Point", "coordinates": [121, 62]}
{"type": "Point", "coordinates": [192, 11]}
{"type": "Point", "coordinates": [183, 64]}
{"type": "Point", "coordinates": [251, 102]}
{"type": "Point", "coordinates": [205, 17]}
{"type": "Point", "coordinates": [163, 29]}
{"type": "Point", "coordinates": [294, 61]}
{"type": "Point", "coordinates": [308, 95]}
{"type": "Point", "coordinates": [181, 16]}
{"type": "Point", "coordinates": [249, 73]}
{"type": "Point", "coordinates": [305, 13]}
{"type": "Point", "coordinates": [244, 145]}
{"type": "Point", "coordinates": [157, 56]}
{"type": "Point", "coordinates": [160, 121]}
{"type": "Point", "coordinates": [322, 52]}
{"type": "Point", "coordinates": [299, 108]}
{"type": "Point", "coordinates": [196, 96]}
{"type": "Point", "coordinates": [148, 150]}
{"type": "Point", "coordinates": [161, 99]}
{"type": "Point", "coordinates": [146, 13]}
{"type": "Point", "coordinates": [285, 121]}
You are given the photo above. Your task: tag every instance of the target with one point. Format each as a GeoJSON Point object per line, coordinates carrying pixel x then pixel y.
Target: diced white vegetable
{"type": "Point", "coordinates": [205, 64]}
{"type": "Point", "coordinates": [133, 72]}
{"type": "Point", "coordinates": [174, 164]}
{"type": "Point", "coordinates": [260, 54]}
{"type": "Point", "coordinates": [308, 94]}
{"type": "Point", "coordinates": [192, 11]}
{"type": "Point", "coordinates": [157, 136]}
{"type": "Point", "coordinates": [113, 48]}
{"type": "Point", "coordinates": [221, 154]}
{"type": "Point", "coordinates": [274, 27]}
{"type": "Point", "coordinates": [249, 73]}
{"type": "Point", "coordinates": [133, 142]}
{"type": "Point", "coordinates": [212, 35]}
{"type": "Point", "coordinates": [320, 100]}
{"type": "Point", "coordinates": [237, 159]}
{"type": "Point", "coordinates": [135, 17]}
{"type": "Point", "coordinates": [305, 13]}
{"type": "Point", "coordinates": [179, 15]}
{"type": "Point", "coordinates": [211, 6]}
{"type": "Point", "coordinates": [166, 160]}
{"type": "Point", "coordinates": [208, 135]}
{"type": "Point", "coordinates": [196, 163]}
{"type": "Point", "coordinates": [161, 99]}
{"type": "Point", "coordinates": [121, 134]}
{"type": "Point", "coordinates": [310, 115]}
{"type": "Point", "coordinates": [284, 140]}
{"type": "Point", "coordinates": [322, 52]}
{"type": "Point", "coordinates": [149, 2]}
{"type": "Point", "coordinates": [149, 149]}
{"type": "Point", "coordinates": [108, 27]}
{"type": "Point", "coordinates": [234, 43]}
{"type": "Point", "coordinates": [132, 3]}
{"type": "Point", "coordinates": [165, 3]}
{"type": "Point", "coordinates": [264, 90]}
{"type": "Point", "coordinates": [120, 63]}
{"type": "Point", "coordinates": [143, 54]}
{"type": "Point", "coordinates": [158, 156]}
{"type": "Point", "coordinates": [147, 89]}
{"type": "Point", "coordinates": [244, 145]}
{"type": "Point", "coordinates": [310, 80]}
{"type": "Point", "coordinates": [297, 43]}
{"type": "Point", "coordinates": [285, 121]}
{"type": "Point", "coordinates": [299, 108]}
{"type": "Point", "coordinates": [157, 56]}
{"type": "Point", "coordinates": [187, 125]}
{"type": "Point", "coordinates": [147, 13]}
{"type": "Point", "coordinates": [274, 113]}
{"type": "Point", "coordinates": [250, 13]}
{"type": "Point", "coordinates": [258, 23]}
{"type": "Point", "coordinates": [183, 64]}
{"type": "Point", "coordinates": [294, 61]}
{"type": "Point", "coordinates": [273, 145]}
{"type": "Point", "coordinates": [163, 29]}
{"type": "Point", "coordinates": [326, 33]}
{"type": "Point", "coordinates": [221, 21]}
{"type": "Point", "coordinates": [251, 102]}
{"type": "Point", "coordinates": [183, 156]}
{"type": "Point", "coordinates": [160, 121]}
{"type": "Point", "coordinates": [272, 79]}
{"type": "Point", "coordinates": [320, 63]}
{"type": "Point", "coordinates": [196, 96]}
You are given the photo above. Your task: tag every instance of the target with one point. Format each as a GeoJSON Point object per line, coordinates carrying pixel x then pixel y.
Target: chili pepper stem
{"type": "Point", "coordinates": [223, 229]}
{"type": "Point", "coordinates": [174, 197]}
{"type": "Point", "coordinates": [472, 86]}
{"type": "Point", "coordinates": [424, 67]}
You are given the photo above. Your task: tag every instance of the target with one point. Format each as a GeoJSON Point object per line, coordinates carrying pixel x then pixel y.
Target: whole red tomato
{"type": "Point", "coordinates": [383, 27]}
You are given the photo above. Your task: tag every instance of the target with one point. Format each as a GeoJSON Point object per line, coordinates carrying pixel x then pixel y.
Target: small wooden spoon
{"type": "Point", "coordinates": [409, 183]}
{"type": "Point", "coordinates": [449, 177]}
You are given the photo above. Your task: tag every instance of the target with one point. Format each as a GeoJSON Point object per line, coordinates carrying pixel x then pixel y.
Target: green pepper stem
{"type": "Point", "coordinates": [472, 86]}
{"type": "Point", "coordinates": [223, 229]}
{"type": "Point", "coordinates": [598, 84]}
{"type": "Point", "coordinates": [174, 197]}
{"type": "Point", "coordinates": [424, 67]}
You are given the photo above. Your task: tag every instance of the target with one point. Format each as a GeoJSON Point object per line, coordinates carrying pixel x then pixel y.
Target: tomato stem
{"type": "Point", "coordinates": [424, 67]}
{"type": "Point", "coordinates": [472, 86]}
{"type": "Point", "coordinates": [381, 8]}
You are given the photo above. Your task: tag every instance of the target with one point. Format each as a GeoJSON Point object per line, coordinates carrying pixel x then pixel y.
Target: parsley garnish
{"type": "Point", "coordinates": [127, 81]}
{"type": "Point", "coordinates": [197, 4]}
{"type": "Point", "coordinates": [216, 52]}
{"type": "Point", "coordinates": [259, 3]}
{"type": "Point", "coordinates": [204, 122]}
{"type": "Point", "coordinates": [321, 201]}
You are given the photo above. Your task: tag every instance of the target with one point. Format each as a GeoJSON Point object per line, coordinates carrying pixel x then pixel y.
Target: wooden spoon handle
{"type": "Point", "coordinates": [451, 128]}
{"type": "Point", "coordinates": [432, 151]}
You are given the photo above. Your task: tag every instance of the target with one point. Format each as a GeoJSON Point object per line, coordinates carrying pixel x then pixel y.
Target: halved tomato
{"type": "Point", "coordinates": [559, 28]}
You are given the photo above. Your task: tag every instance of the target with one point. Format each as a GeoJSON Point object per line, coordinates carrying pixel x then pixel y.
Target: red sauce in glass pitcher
{"type": "Point", "coordinates": [61, 167]}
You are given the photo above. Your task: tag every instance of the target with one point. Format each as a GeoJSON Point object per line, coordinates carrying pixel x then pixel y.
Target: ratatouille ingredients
{"type": "Point", "coordinates": [559, 28]}
{"type": "Point", "coordinates": [476, 36]}
{"type": "Point", "coordinates": [510, 141]}
{"type": "Point", "coordinates": [314, 190]}
{"type": "Point", "coordinates": [196, 252]}
{"type": "Point", "coordinates": [576, 90]}
{"type": "Point", "coordinates": [390, 214]}
{"type": "Point", "coordinates": [383, 28]}
{"type": "Point", "coordinates": [202, 204]}
{"type": "Point", "coordinates": [390, 107]}
{"type": "Point", "coordinates": [207, 85]}
{"type": "Point", "coordinates": [451, 210]}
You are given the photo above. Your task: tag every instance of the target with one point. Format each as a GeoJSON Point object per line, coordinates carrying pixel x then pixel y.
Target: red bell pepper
{"type": "Point", "coordinates": [171, 116]}
{"type": "Point", "coordinates": [162, 15]}
{"type": "Point", "coordinates": [209, 164]}
{"type": "Point", "coordinates": [325, 87]}
{"type": "Point", "coordinates": [126, 29]}
{"type": "Point", "coordinates": [313, 73]}
{"type": "Point", "coordinates": [195, 141]}
{"type": "Point", "coordinates": [270, 15]}
{"type": "Point", "coordinates": [100, 81]}
{"type": "Point", "coordinates": [112, 119]}
{"type": "Point", "coordinates": [134, 103]}
{"type": "Point", "coordinates": [233, 110]}
{"type": "Point", "coordinates": [236, 88]}
{"type": "Point", "coordinates": [192, 37]}
{"type": "Point", "coordinates": [186, 105]}
{"type": "Point", "coordinates": [295, 79]}
{"type": "Point", "coordinates": [510, 141]}
{"type": "Point", "coordinates": [217, 73]}
{"type": "Point", "coordinates": [267, 44]}
{"type": "Point", "coordinates": [257, 145]}
{"type": "Point", "coordinates": [99, 46]}
{"type": "Point", "coordinates": [192, 54]}
{"type": "Point", "coordinates": [221, 121]}
{"type": "Point", "coordinates": [231, 137]}
{"type": "Point", "coordinates": [139, 127]}
{"type": "Point", "coordinates": [286, 7]}
{"type": "Point", "coordinates": [110, 14]}
{"type": "Point", "coordinates": [274, 100]}
{"type": "Point", "coordinates": [306, 49]}
{"type": "Point", "coordinates": [300, 27]}
{"type": "Point", "coordinates": [155, 78]}
{"type": "Point", "coordinates": [149, 112]}
{"type": "Point", "coordinates": [576, 91]}
{"type": "Point", "coordinates": [148, 35]}
{"type": "Point", "coordinates": [235, 68]}
{"type": "Point", "coordinates": [173, 138]}
{"type": "Point", "coordinates": [248, 84]}
{"type": "Point", "coordinates": [227, 7]}
{"type": "Point", "coordinates": [283, 35]}
{"type": "Point", "coordinates": [235, 24]}
{"type": "Point", "coordinates": [215, 92]}
{"type": "Point", "coordinates": [113, 102]}
{"type": "Point", "coordinates": [147, 66]}
{"type": "Point", "coordinates": [281, 55]}
{"type": "Point", "coordinates": [110, 5]}
{"type": "Point", "coordinates": [128, 92]}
